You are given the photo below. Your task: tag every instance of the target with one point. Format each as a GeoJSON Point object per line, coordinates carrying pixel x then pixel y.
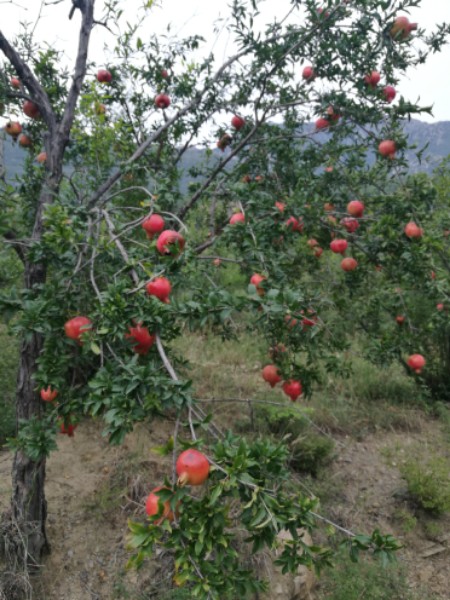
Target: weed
{"type": "Point", "coordinates": [408, 521]}
{"type": "Point", "coordinates": [366, 579]}
{"type": "Point", "coordinates": [428, 482]}
{"type": "Point", "coordinates": [433, 529]}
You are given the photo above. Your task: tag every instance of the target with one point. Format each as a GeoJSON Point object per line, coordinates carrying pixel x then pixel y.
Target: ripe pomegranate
{"type": "Point", "coordinates": [322, 123]}
{"type": "Point", "coordinates": [162, 101]}
{"type": "Point", "coordinates": [348, 264]}
{"type": "Point", "coordinates": [387, 148]}
{"type": "Point", "coordinates": [328, 207]}
{"type": "Point", "coordinates": [293, 389]}
{"type": "Point", "coordinates": [192, 467]}
{"type": "Point", "coordinates": [74, 328]}
{"type": "Point", "coordinates": [389, 93]}
{"type": "Point", "coordinates": [15, 83]}
{"type": "Point", "coordinates": [433, 275]}
{"type": "Point", "coordinates": [48, 395]}
{"type": "Point", "coordinates": [294, 224]}
{"type": "Point", "coordinates": [31, 109]}
{"type": "Point", "coordinates": [237, 218]}
{"type": "Point", "coordinates": [373, 79]}
{"type": "Point", "coordinates": [307, 322]}
{"type": "Point", "coordinates": [318, 252]}
{"type": "Point", "coordinates": [271, 375]}
{"type": "Point", "coordinates": [164, 73]}
{"type": "Point", "coordinates": [104, 76]}
{"type": "Point", "coordinates": [41, 158]}
{"type": "Point", "coordinates": [152, 225]}
{"type": "Point", "coordinates": [440, 306]}
{"type": "Point", "coordinates": [329, 169]}
{"type": "Point", "coordinates": [237, 122]}
{"type": "Point", "coordinates": [281, 206]}
{"type": "Point", "coordinates": [159, 287]}
{"type": "Point", "coordinates": [355, 208]}
{"type": "Point", "coordinates": [338, 246]}
{"type": "Point", "coordinates": [13, 128]}
{"type": "Point", "coordinates": [333, 115]}
{"type": "Point", "coordinates": [416, 362]}
{"type": "Point", "coordinates": [312, 243]}
{"type": "Point", "coordinates": [412, 230]}
{"type": "Point", "coordinates": [402, 28]}
{"type": "Point", "coordinates": [321, 12]}
{"type": "Point", "coordinates": [24, 141]}
{"type": "Point", "coordinates": [290, 321]}
{"type": "Point", "coordinates": [141, 337]}
{"type": "Point", "coordinates": [67, 430]}
{"type": "Point", "coordinates": [256, 280]}
{"type": "Point", "coordinates": [154, 505]}
{"type": "Point", "coordinates": [308, 73]}
{"type": "Point", "coordinates": [350, 224]}
{"type": "Point", "coordinates": [217, 262]}
{"type": "Point", "coordinates": [170, 243]}
{"type": "Point", "coordinates": [400, 319]}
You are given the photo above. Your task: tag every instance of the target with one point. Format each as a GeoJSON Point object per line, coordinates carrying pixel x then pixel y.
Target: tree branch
{"type": "Point", "coordinates": [26, 76]}
{"type": "Point", "coordinates": [87, 23]}
{"type": "Point", "coordinates": [11, 236]}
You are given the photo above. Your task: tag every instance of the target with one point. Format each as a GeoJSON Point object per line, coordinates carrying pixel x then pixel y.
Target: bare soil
{"type": "Point", "coordinates": [93, 488]}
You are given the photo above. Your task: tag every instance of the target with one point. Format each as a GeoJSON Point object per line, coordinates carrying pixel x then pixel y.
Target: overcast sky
{"type": "Point", "coordinates": [430, 82]}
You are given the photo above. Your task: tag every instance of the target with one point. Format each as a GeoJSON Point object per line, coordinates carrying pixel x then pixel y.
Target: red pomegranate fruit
{"type": "Point", "coordinates": [170, 243]}
{"type": "Point", "coordinates": [271, 375]}
{"type": "Point", "coordinates": [159, 287]}
{"type": "Point", "coordinates": [48, 395]}
{"type": "Point", "coordinates": [293, 389]}
{"type": "Point", "coordinates": [192, 467]}
{"type": "Point", "coordinates": [141, 338]}
{"type": "Point", "coordinates": [338, 246]}
{"type": "Point", "coordinates": [154, 505]}
{"type": "Point", "coordinates": [416, 362]}
{"type": "Point", "coordinates": [152, 225]}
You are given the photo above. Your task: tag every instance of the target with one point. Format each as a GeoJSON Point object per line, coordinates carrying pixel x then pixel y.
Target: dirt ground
{"type": "Point", "coordinates": [374, 495]}
{"type": "Point", "coordinates": [93, 488]}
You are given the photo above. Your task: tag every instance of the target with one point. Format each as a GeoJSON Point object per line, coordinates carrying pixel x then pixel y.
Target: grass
{"type": "Point", "coordinates": [428, 481]}
{"type": "Point", "coordinates": [366, 579]}
{"type": "Point", "coordinates": [371, 399]}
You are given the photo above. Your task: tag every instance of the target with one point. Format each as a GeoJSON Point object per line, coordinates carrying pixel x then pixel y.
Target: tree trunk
{"type": "Point", "coordinates": [29, 507]}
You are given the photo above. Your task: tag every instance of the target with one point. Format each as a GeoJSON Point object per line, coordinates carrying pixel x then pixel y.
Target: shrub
{"type": "Point", "coordinates": [429, 483]}
{"type": "Point", "coordinates": [310, 452]}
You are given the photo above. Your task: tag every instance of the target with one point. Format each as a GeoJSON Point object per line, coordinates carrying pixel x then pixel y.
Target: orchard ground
{"type": "Point", "coordinates": [375, 419]}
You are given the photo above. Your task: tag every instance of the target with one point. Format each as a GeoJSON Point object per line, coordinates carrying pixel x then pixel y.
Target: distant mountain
{"type": "Point", "coordinates": [436, 135]}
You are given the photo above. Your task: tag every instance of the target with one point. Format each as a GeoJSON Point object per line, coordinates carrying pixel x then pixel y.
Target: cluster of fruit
{"type": "Point", "coordinates": [169, 243]}
{"type": "Point", "coordinates": [192, 468]}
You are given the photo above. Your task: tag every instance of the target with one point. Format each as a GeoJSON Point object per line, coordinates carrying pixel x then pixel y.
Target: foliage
{"type": "Point", "coordinates": [8, 362]}
{"type": "Point", "coordinates": [114, 158]}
